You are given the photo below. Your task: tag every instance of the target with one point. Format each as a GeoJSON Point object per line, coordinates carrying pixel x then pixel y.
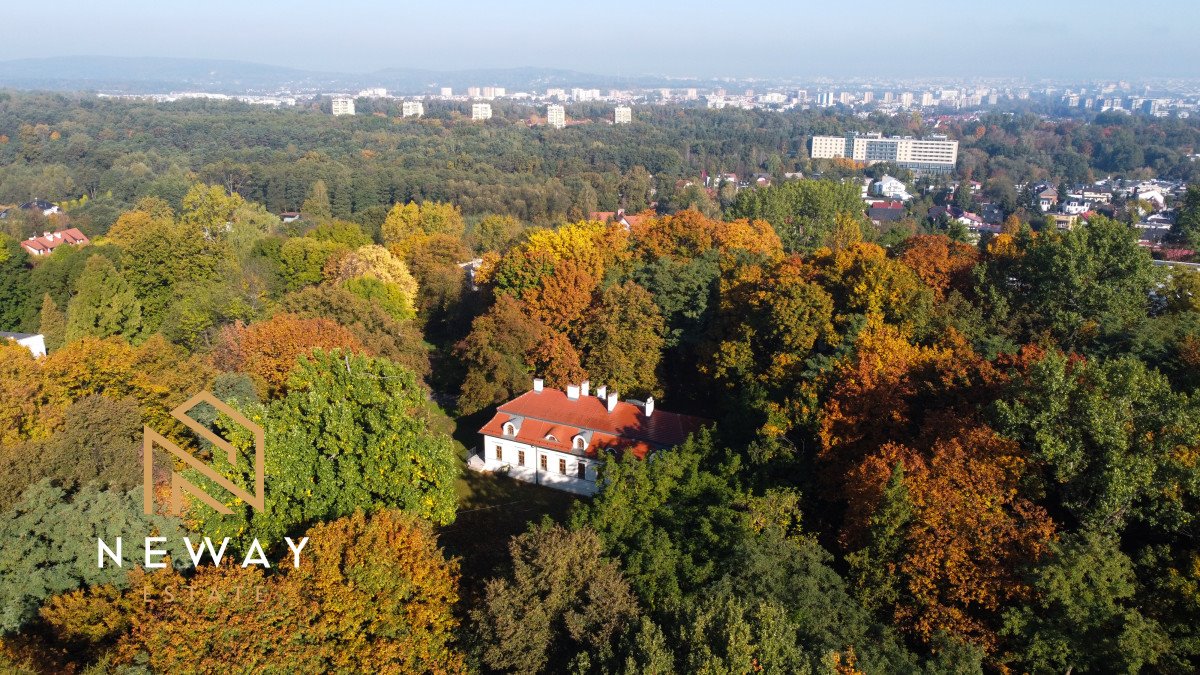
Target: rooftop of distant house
{"type": "Point", "coordinates": [52, 240]}
{"type": "Point", "coordinates": [552, 418]}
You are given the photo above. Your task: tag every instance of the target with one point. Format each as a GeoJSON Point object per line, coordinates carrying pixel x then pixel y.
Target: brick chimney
{"type": "Point", "coordinates": [612, 401]}
{"type": "Point", "coordinates": [573, 392]}
{"type": "Point", "coordinates": [538, 383]}
{"type": "Point", "coordinates": [649, 406]}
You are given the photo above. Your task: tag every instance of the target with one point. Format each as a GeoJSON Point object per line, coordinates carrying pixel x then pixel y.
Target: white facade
{"type": "Point", "coordinates": [540, 466]}
{"type": "Point", "coordinates": [343, 105]}
{"type": "Point", "coordinates": [556, 116]}
{"type": "Point", "coordinates": [447, 92]}
{"type": "Point", "coordinates": [412, 109]}
{"type": "Point", "coordinates": [890, 187]}
{"type": "Point", "coordinates": [622, 114]}
{"type": "Point", "coordinates": [933, 155]}
{"type": "Point", "coordinates": [36, 344]}
{"type": "Point", "coordinates": [481, 111]}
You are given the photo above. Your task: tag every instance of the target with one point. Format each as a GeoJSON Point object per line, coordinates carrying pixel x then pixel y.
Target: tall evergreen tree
{"type": "Point", "coordinates": [317, 204]}
{"type": "Point", "coordinates": [874, 567]}
{"type": "Point", "coordinates": [14, 285]}
{"type": "Point", "coordinates": [53, 324]}
{"type": "Point", "coordinates": [1186, 229]}
{"type": "Point", "coordinates": [105, 305]}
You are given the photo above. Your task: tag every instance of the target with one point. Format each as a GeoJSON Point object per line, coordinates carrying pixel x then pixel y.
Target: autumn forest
{"type": "Point", "coordinates": [930, 450]}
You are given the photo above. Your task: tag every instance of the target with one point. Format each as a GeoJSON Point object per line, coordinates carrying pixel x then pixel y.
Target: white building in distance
{"type": "Point", "coordinates": [447, 92]}
{"type": "Point", "coordinates": [481, 111]}
{"type": "Point", "coordinates": [623, 114]}
{"type": "Point", "coordinates": [556, 116]}
{"type": "Point", "coordinates": [890, 187]}
{"type": "Point", "coordinates": [935, 154]}
{"type": "Point", "coordinates": [343, 105]}
{"type": "Point", "coordinates": [374, 92]}
{"type": "Point", "coordinates": [412, 109]}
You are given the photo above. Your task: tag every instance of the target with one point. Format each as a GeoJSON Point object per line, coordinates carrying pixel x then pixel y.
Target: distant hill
{"type": "Point", "coordinates": [133, 75]}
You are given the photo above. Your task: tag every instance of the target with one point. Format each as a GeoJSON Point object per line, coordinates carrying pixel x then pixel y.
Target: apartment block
{"type": "Point", "coordinates": [412, 109]}
{"type": "Point", "coordinates": [556, 116]}
{"type": "Point", "coordinates": [935, 154]}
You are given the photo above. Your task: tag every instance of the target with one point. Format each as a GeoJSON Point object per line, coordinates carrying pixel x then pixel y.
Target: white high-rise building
{"type": "Point", "coordinates": [926, 99]}
{"type": "Point", "coordinates": [906, 99]}
{"type": "Point", "coordinates": [343, 105]}
{"type": "Point", "coordinates": [935, 154]}
{"type": "Point", "coordinates": [493, 92]}
{"type": "Point", "coordinates": [473, 92]}
{"type": "Point", "coordinates": [623, 114]}
{"type": "Point", "coordinates": [868, 96]}
{"type": "Point", "coordinates": [481, 111]}
{"type": "Point", "coordinates": [556, 116]}
{"type": "Point", "coordinates": [447, 92]}
{"type": "Point", "coordinates": [412, 109]}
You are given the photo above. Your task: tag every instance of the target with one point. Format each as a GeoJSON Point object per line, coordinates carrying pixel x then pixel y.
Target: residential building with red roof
{"type": "Point", "coordinates": [559, 438]}
{"type": "Point", "coordinates": [49, 241]}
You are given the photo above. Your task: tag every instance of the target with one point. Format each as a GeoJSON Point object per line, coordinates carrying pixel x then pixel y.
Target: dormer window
{"type": "Point", "coordinates": [550, 437]}
{"type": "Point", "coordinates": [509, 429]}
{"type": "Point", "coordinates": [580, 443]}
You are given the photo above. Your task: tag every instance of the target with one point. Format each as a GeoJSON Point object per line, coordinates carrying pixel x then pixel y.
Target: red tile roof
{"type": "Point", "coordinates": [48, 242]}
{"type": "Point", "coordinates": [549, 413]}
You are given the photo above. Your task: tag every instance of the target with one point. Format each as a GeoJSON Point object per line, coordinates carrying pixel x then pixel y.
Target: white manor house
{"type": "Point", "coordinates": [557, 438]}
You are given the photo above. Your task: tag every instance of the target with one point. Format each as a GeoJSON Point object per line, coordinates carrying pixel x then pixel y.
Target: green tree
{"type": "Point", "coordinates": [803, 212]}
{"type": "Point", "coordinates": [1084, 615]}
{"type": "Point", "coordinates": [317, 204]}
{"type": "Point", "coordinates": [1084, 286]}
{"type": "Point", "coordinates": [210, 208]}
{"type": "Point", "coordinates": [52, 324]}
{"type": "Point", "coordinates": [14, 284]}
{"type": "Point", "coordinates": [1186, 229]}
{"type": "Point", "coordinates": [354, 432]}
{"type": "Point", "coordinates": [105, 304]}
{"type": "Point", "coordinates": [622, 341]}
{"type": "Point", "coordinates": [562, 602]}
{"type": "Point", "coordinates": [1110, 435]}
{"type": "Point", "coordinates": [51, 544]}
{"type": "Point", "coordinates": [875, 567]}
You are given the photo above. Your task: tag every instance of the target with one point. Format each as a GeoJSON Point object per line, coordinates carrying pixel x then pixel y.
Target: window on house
{"type": "Point", "coordinates": [499, 453]}
{"type": "Point", "coordinates": [562, 466]}
{"type": "Point", "coordinates": [543, 463]}
{"type": "Point", "coordinates": [580, 443]}
{"type": "Point", "coordinates": [581, 468]}
{"type": "Point", "coordinates": [520, 458]}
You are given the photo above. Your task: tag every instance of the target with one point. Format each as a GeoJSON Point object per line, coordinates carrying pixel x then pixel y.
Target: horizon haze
{"type": "Point", "coordinates": [1023, 38]}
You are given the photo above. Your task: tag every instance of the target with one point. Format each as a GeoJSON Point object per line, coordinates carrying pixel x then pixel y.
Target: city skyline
{"type": "Point", "coordinates": [1021, 39]}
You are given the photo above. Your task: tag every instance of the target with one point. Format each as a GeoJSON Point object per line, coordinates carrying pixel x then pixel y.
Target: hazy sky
{"type": "Point", "coordinates": [1090, 38]}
